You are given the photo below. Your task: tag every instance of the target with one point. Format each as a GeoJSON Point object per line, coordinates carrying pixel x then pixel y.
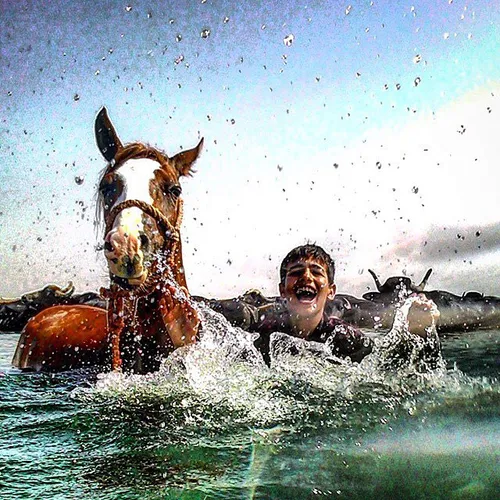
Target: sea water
{"type": "Point", "coordinates": [216, 422]}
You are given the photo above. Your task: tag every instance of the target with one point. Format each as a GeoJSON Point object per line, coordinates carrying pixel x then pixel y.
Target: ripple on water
{"type": "Point", "coordinates": [215, 418]}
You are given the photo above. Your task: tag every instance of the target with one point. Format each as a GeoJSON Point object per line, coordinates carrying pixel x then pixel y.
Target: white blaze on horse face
{"type": "Point", "coordinates": [136, 176]}
{"type": "Point", "coordinates": [124, 253]}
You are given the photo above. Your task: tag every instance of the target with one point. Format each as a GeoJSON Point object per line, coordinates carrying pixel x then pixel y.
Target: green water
{"type": "Point", "coordinates": [210, 425]}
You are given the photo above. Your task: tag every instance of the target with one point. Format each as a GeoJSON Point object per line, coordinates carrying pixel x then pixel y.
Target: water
{"type": "Point", "coordinates": [216, 423]}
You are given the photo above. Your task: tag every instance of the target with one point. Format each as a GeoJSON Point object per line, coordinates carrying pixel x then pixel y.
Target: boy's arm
{"type": "Point", "coordinates": [347, 341]}
{"type": "Point", "coordinates": [422, 316]}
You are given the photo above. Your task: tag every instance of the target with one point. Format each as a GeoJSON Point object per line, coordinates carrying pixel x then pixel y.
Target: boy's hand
{"type": "Point", "coordinates": [423, 314]}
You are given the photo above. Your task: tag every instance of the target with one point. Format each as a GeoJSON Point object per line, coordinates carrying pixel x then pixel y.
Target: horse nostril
{"type": "Point", "coordinates": [107, 246]}
{"type": "Point", "coordinates": [144, 240]}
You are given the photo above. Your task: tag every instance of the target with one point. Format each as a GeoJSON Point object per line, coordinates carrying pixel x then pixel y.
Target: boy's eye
{"type": "Point", "coordinates": [318, 272]}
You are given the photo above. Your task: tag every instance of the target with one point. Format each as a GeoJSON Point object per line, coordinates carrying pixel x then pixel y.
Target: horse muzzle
{"type": "Point", "coordinates": [124, 255]}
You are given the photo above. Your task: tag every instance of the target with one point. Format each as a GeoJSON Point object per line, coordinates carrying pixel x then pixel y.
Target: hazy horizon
{"type": "Point", "coordinates": [369, 128]}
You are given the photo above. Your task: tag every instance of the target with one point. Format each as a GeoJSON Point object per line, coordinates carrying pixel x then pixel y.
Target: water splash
{"type": "Point", "coordinates": [222, 383]}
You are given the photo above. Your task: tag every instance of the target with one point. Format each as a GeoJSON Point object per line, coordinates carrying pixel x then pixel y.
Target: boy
{"type": "Point", "coordinates": [307, 276]}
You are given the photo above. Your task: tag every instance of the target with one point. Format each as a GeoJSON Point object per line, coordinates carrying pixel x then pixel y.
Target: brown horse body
{"type": "Point", "coordinates": [149, 313]}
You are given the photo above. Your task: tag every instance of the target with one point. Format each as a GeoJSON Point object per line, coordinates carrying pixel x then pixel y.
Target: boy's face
{"type": "Point", "coordinates": [306, 287]}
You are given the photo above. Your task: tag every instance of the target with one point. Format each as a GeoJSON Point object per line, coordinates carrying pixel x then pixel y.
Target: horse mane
{"type": "Point", "coordinates": [138, 150]}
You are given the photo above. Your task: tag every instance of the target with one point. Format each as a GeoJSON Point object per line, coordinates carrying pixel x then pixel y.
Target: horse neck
{"type": "Point", "coordinates": [178, 265]}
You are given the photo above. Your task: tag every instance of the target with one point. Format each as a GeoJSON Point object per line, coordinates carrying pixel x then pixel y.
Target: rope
{"type": "Point", "coordinates": [149, 210]}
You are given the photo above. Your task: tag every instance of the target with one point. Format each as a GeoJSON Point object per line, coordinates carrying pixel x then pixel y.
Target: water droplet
{"type": "Point", "coordinates": [233, 121]}
{"type": "Point", "coordinates": [378, 165]}
{"type": "Point", "coordinates": [417, 58]}
{"type": "Point", "coordinates": [205, 33]}
{"type": "Point", "coordinates": [171, 21]}
{"type": "Point", "coordinates": [417, 81]}
{"type": "Point", "coordinates": [398, 86]}
{"type": "Point", "coordinates": [288, 40]}
{"type": "Point", "coordinates": [358, 74]}
{"type": "Point", "coordinates": [9, 93]}
{"type": "Point", "coordinates": [76, 97]}
{"type": "Point", "coordinates": [348, 10]}
{"type": "Point", "coordinates": [446, 35]}
{"type": "Point", "coordinates": [225, 20]}
{"type": "Point", "coordinates": [128, 8]}
{"type": "Point", "coordinates": [79, 180]}
{"type": "Point", "coordinates": [178, 38]}
{"type": "Point", "coordinates": [179, 59]}
{"type": "Point", "coordinates": [97, 72]}
{"type": "Point", "coordinates": [414, 189]}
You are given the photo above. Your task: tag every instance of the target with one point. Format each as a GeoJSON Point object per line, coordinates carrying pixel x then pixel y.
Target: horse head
{"type": "Point", "coordinates": [140, 201]}
{"type": "Point", "coordinates": [148, 313]}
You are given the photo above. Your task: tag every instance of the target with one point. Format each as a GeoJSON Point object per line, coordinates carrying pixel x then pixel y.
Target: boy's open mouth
{"type": "Point", "coordinates": [305, 293]}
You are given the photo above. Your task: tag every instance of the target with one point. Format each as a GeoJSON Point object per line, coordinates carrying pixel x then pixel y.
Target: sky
{"type": "Point", "coordinates": [368, 127]}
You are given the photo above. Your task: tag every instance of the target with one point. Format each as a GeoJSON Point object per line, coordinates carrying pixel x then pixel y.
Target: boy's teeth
{"type": "Point", "coordinates": [305, 292]}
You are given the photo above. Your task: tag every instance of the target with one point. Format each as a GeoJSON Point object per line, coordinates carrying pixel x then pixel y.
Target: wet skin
{"type": "Point", "coordinates": [306, 289]}
{"type": "Point", "coordinates": [423, 314]}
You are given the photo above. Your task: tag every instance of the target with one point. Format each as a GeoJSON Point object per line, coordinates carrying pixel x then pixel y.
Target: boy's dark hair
{"type": "Point", "coordinates": [309, 251]}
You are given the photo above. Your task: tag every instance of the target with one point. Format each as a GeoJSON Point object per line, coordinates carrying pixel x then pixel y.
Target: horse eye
{"type": "Point", "coordinates": [176, 191]}
{"type": "Point", "coordinates": [109, 192]}
{"type": "Point", "coordinates": [107, 189]}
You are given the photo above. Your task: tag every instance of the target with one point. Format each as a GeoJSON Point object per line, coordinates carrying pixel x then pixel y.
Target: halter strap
{"type": "Point", "coordinates": [153, 212]}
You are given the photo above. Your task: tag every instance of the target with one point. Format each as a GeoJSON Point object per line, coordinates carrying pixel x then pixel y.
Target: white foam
{"type": "Point", "coordinates": [222, 381]}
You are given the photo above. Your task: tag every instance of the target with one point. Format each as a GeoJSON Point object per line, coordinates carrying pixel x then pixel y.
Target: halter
{"type": "Point", "coordinates": [116, 295]}
{"type": "Point", "coordinates": [169, 230]}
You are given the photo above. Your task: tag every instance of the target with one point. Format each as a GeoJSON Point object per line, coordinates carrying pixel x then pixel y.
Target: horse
{"type": "Point", "coordinates": [149, 312]}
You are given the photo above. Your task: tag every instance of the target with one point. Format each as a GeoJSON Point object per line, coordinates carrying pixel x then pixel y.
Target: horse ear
{"type": "Point", "coordinates": [105, 134]}
{"type": "Point", "coordinates": [184, 160]}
